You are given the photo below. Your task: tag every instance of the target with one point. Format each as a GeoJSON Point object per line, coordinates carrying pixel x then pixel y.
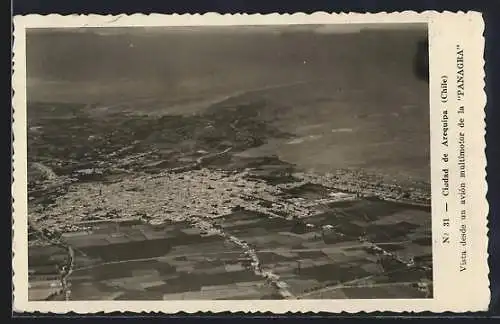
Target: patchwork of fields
{"type": "Point", "coordinates": [354, 249]}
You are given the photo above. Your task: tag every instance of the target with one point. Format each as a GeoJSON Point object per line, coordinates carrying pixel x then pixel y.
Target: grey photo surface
{"type": "Point", "coordinates": [231, 162]}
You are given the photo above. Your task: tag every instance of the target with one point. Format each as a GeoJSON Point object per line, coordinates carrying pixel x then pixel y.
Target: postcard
{"type": "Point", "coordinates": [258, 163]}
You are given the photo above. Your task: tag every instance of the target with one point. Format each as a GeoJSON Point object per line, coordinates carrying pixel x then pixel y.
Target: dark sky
{"type": "Point", "coordinates": [103, 64]}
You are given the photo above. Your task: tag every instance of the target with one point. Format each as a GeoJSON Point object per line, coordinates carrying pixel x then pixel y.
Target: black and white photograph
{"type": "Point", "coordinates": [229, 162]}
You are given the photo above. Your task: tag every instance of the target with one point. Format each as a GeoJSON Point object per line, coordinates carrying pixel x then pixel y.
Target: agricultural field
{"type": "Point", "coordinates": [348, 249]}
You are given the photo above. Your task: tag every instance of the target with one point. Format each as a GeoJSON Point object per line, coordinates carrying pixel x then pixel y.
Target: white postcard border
{"type": "Point", "coordinates": [453, 291]}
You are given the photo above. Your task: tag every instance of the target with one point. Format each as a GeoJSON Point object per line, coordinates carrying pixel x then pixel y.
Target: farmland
{"type": "Point", "coordinates": [177, 261]}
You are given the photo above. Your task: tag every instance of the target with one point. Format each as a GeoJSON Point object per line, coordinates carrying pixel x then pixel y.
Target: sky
{"type": "Point", "coordinates": [104, 63]}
